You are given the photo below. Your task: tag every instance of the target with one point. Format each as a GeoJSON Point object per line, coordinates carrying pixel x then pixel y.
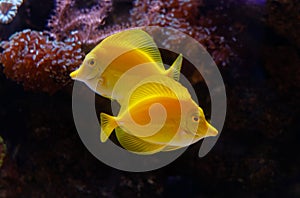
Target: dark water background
{"type": "Point", "coordinates": [256, 155]}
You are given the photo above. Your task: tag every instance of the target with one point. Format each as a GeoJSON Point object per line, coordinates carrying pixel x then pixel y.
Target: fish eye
{"type": "Point", "coordinates": [91, 62]}
{"type": "Point", "coordinates": [195, 118]}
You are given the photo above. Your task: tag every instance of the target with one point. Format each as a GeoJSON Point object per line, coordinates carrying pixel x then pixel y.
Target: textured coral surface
{"type": "Point", "coordinates": [40, 62]}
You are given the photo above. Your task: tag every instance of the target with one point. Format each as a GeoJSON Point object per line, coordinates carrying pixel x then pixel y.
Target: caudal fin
{"type": "Point", "coordinates": [108, 124]}
{"type": "Point", "coordinates": [174, 70]}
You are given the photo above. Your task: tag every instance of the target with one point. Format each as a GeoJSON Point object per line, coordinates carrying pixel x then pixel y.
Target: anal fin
{"type": "Point", "coordinates": [137, 145]}
{"type": "Point", "coordinates": [171, 148]}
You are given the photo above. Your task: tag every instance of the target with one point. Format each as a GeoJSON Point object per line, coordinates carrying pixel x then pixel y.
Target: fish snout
{"type": "Point", "coordinates": [75, 74]}
{"type": "Point", "coordinates": [211, 131]}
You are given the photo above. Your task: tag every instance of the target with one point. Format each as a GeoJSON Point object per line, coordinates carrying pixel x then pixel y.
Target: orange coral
{"type": "Point", "coordinates": [39, 61]}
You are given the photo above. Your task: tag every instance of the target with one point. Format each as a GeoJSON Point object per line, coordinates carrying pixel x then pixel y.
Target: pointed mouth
{"type": "Point", "coordinates": [74, 74]}
{"type": "Point", "coordinates": [211, 131]}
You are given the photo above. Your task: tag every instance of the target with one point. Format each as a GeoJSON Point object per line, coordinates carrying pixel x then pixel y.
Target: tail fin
{"type": "Point", "coordinates": [174, 70]}
{"type": "Point", "coordinates": [108, 124]}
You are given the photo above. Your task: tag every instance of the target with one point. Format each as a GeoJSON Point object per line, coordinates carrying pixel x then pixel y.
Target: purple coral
{"type": "Point", "coordinates": [69, 16]}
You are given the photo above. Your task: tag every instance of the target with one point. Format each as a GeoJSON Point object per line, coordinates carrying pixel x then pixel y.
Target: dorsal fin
{"type": "Point", "coordinates": [174, 70]}
{"type": "Point", "coordinates": [156, 86]}
{"type": "Point", "coordinates": [134, 39]}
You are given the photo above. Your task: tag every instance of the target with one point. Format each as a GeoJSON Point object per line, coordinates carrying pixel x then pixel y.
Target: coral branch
{"type": "Point", "coordinates": [39, 61]}
{"type": "Point", "coordinates": [68, 17]}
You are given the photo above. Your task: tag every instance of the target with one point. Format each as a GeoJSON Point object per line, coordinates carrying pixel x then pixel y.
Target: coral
{"type": "Point", "coordinates": [181, 15]}
{"type": "Point", "coordinates": [174, 13]}
{"type": "Point", "coordinates": [43, 60]}
{"type": "Point", "coordinates": [39, 61]}
{"type": "Point", "coordinates": [8, 10]}
{"type": "Point", "coordinates": [69, 16]}
{"type": "Point", "coordinates": [185, 17]}
{"type": "Point", "coordinates": [2, 151]}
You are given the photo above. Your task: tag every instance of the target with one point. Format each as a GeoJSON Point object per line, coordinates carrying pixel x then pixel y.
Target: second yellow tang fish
{"type": "Point", "coordinates": [159, 115]}
{"type": "Point", "coordinates": [122, 60]}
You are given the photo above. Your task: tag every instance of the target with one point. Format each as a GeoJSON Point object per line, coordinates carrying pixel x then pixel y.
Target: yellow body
{"type": "Point", "coordinates": [121, 61]}
{"type": "Point", "coordinates": [159, 115]}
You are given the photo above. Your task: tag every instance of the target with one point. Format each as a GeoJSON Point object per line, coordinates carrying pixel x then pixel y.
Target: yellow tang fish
{"type": "Point", "coordinates": [160, 116]}
{"type": "Point", "coordinates": [125, 59]}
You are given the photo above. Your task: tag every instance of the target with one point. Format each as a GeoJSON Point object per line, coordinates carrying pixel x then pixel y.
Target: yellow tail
{"type": "Point", "coordinates": [108, 124]}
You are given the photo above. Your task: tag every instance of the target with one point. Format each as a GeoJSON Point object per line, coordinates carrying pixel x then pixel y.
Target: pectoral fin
{"type": "Point", "coordinates": [137, 145]}
{"type": "Point", "coordinates": [174, 70]}
{"type": "Point", "coordinates": [108, 124]}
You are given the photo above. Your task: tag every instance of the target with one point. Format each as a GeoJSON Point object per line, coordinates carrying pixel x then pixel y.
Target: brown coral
{"type": "Point", "coordinates": [2, 151]}
{"type": "Point", "coordinates": [185, 17]}
{"type": "Point", "coordinates": [173, 13]}
{"type": "Point", "coordinates": [181, 15]}
{"type": "Point", "coordinates": [39, 61]}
